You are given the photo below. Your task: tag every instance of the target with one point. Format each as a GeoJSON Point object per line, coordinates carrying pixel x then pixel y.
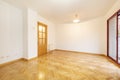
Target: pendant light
{"type": "Point", "coordinates": [76, 20]}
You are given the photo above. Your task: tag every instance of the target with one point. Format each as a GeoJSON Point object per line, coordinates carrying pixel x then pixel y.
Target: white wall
{"type": "Point", "coordinates": [31, 33]}
{"type": "Point", "coordinates": [11, 33]}
{"type": "Point", "coordinates": [18, 33]}
{"type": "Point", "coordinates": [89, 36]}
{"type": "Point", "coordinates": [83, 37]}
{"type": "Point", "coordinates": [25, 33]}
{"type": "Point", "coordinates": [113, 10]}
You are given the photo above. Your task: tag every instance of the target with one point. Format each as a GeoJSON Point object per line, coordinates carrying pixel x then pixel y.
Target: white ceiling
{"type": "Point", "coordinates": [63, 11]}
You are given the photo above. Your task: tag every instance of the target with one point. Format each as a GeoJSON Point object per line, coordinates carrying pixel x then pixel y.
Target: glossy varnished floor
{"type": "Point", "coordinates": [61, 65]}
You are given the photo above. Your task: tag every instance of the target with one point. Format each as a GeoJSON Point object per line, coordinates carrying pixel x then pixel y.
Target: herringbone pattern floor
{"type": "Point", "coordinates": [61, 65]}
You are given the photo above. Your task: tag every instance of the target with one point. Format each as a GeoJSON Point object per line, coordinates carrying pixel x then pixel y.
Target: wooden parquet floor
{"type": "Point", "coordinates": [61, 65]}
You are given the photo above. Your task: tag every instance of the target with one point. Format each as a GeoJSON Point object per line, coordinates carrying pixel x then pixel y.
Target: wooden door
{"type": "Point", "coordinates": [42, 39]}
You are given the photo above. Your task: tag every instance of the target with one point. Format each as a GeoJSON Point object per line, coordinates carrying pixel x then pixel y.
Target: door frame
{"type": "Point", "coordinates": [40, 23]}
{"type": "Point", "coordinates": [115, 14]}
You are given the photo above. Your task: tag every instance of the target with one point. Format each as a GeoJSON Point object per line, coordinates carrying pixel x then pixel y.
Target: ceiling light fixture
{"type": "Point", "coordinates": [76, 20]}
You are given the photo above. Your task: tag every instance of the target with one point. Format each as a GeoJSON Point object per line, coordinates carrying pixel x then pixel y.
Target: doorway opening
{"type": "Point", "coordinates": [42, 39]}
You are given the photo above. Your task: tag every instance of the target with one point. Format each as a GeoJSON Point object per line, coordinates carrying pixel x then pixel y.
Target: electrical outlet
{"type": "Point", "coordinates": [2, 57]}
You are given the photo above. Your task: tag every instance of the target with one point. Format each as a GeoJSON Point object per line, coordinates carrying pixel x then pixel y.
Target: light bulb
{"type": "Point", "coordinates": [76, 21]}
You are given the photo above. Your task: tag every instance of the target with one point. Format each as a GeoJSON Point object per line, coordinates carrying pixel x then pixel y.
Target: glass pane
{"type": "Point", "coordinates": [119, 38]}
{"type": "Point", "coordinates": [119, 25]}
{"type": "Point", "coordinates": [44, 35]}
{"type": "Point", "coordinates": [40, 28]}
{"type": "Point", "coordinates": [43, 29]}
{"type": "Point", "coordinates": [40, 35]}
{"type": "Point", "coordinates": [112, 37]}
{"type": "Point", "coordinates": [119, 49]}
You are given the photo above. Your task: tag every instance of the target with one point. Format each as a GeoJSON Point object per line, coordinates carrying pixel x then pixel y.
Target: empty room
{"type": "Point", "coordinates": [59, 39]}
